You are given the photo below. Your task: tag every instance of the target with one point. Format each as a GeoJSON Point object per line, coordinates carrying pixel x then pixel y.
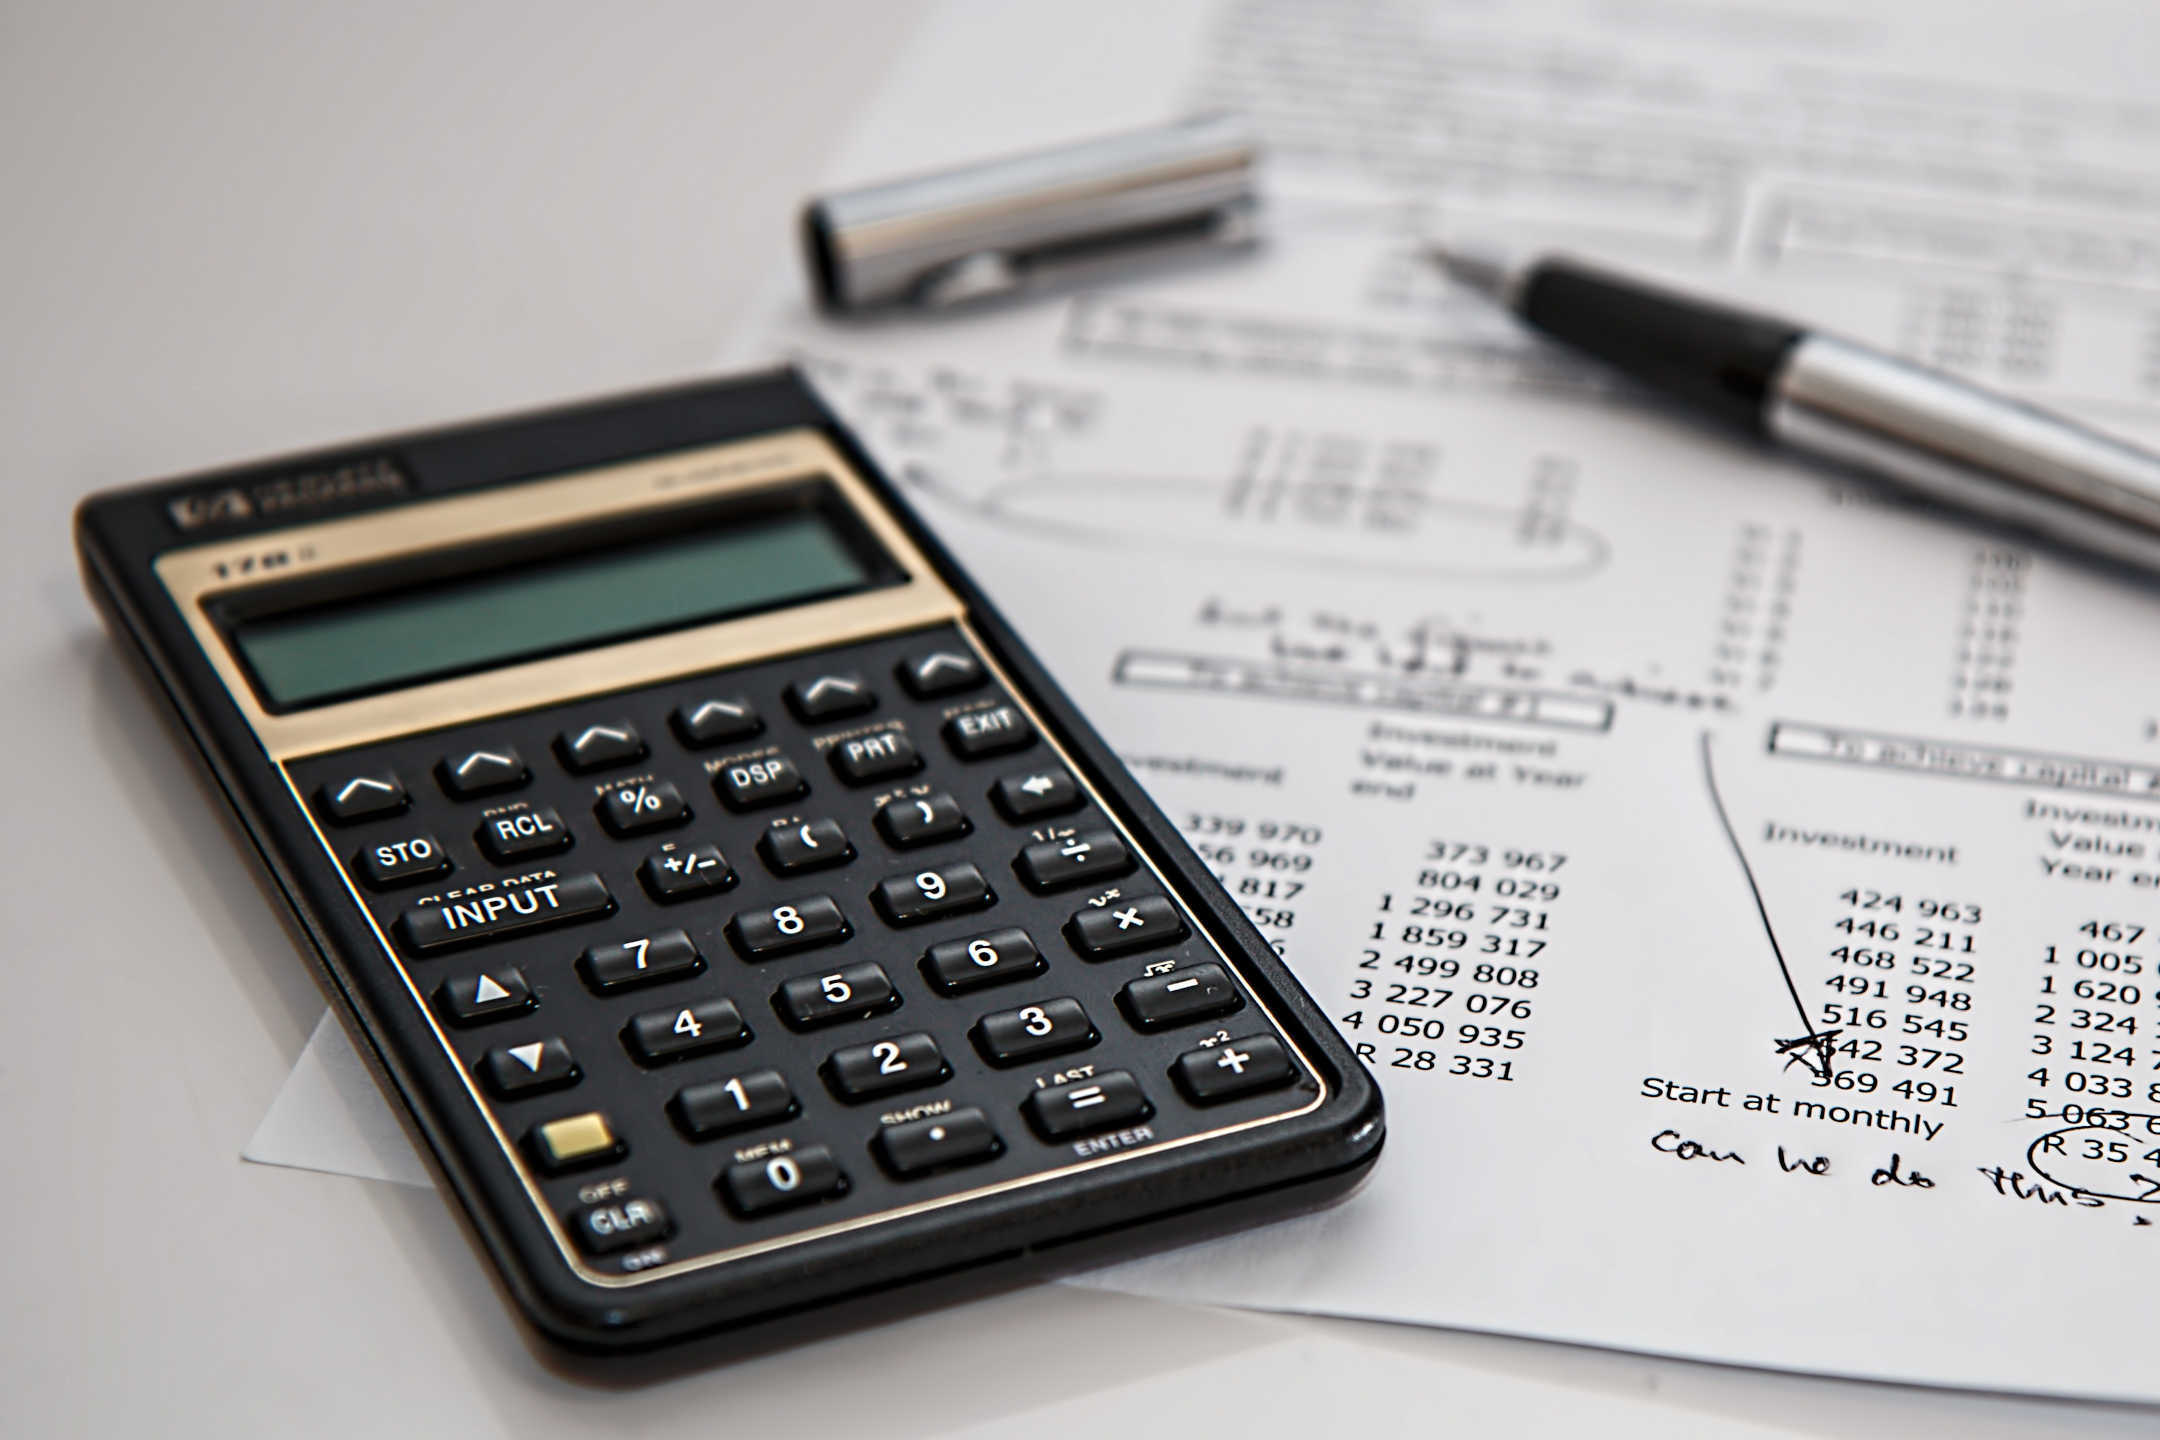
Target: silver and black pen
{"type": "Point", "coordinates": [1932, 433]}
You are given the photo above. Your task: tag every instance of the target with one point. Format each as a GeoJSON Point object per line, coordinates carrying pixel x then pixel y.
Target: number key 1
{"type": "Point", "coordinates": [740, 1102]}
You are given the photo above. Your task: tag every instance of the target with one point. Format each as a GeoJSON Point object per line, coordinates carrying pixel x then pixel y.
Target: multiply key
{"type": "Point", "coordinates": [508, 910]}
{"type": "Point", "coordinates": [1120, 927]}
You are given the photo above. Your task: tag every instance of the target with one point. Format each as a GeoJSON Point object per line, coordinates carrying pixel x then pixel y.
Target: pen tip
{"type": "Point", "coordinates": [1483, 268]}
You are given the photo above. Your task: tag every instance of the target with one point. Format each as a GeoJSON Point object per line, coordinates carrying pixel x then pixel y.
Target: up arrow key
{"type": "Point", "coordinates": [526, 1069]}
{"type": "Point", "coordinates": [487, 992]}
{"type": "Point", "coordinates": [940, 672]}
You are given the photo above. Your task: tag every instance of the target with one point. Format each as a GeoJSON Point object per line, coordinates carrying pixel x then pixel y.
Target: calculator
{"type": "Point", "coordinates": [746, 923]}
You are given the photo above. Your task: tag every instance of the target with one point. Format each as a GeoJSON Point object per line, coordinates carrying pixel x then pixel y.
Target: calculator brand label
{"type": "Point", "coordinates": [303, 492]}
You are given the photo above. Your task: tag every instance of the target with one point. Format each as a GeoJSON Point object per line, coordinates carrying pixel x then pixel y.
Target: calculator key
{"type": "Point", "coordinates": [639, 806]}
{"type": "Point", "coordinates": [1215, 1073]}
{"type": "Point", "coordinates": [481, 772]}
{"type": "Point", "coordinates": [917, 1147]}
{"type": "Point", "coordinates": [675, 1034]}
{"type": "Point", "coordinates": [1048, 1027]}
{"type": "Point", "coordinates": [623, 1224]}
{"type": "Point", "coordinates": [530, 1068]}
{"type": "Point", "coordinates": [851, 993]}
{"type": "Point", "coordinates": [932, 894]}
{"type": "Point", "coordinates": [644, 960]}
{"type": "Point", "coordinates": [509, 910]}
{"type": "Point", "coordinates": [522, 834]}
{"type": "Point", "coordinates": [683, 872]}
{"type": "Point", "coordinates": [882, 756]}
{"type": "Point", "coordinates": [939, 672]}
{"type": "Point", "coordinates": [1089, 855]}
{"type": "Point", "coordinates": [914, 820]}
{"type": "Point", "coordinates": [797, 925]}
{"type": "Point", "coordinates": [1123, 926]}
{"type": "Point", "coordinates": [812, 845]}
{"type": "Point", "coordinates": [886, 1067]}
{"type": "Point", "coordinates": [490, 995]}
{"type": "Point", "coordinates": [994, 731]}
{"type": "Point", "coordinates": [362, 797]}
{"type": "Point", "coordinates": [752, 784]}
{"type": "Point", "coordinates": [598, 746]}
{"type": "Point", "coordinates": [574, 1142]}
{"type": "Point", "coordinates": [401, 862]}
{"type": "Point", "coordinates": [1197, 992]}
{"type": "Point", "coordinates": [998, 958]}
{"type": "Point", "coordinates": [1086, 1106]}
{"type": "Point", "coordinates": [700, 723]}
{"type": "Point", "coordinates": [830, 697]}
{"type": "Point", "coordinates": [1034, 793]}
{"type": "Point", "coordinates": [740, 1102]}
{"type": "Point", "coordinates": [757, 1187]}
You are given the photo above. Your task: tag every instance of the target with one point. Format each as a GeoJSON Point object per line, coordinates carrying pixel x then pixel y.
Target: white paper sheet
{"type": "Point", "coordinates": [1451, 658]}
{"type": "Point", "coordinates": [1439, 650]}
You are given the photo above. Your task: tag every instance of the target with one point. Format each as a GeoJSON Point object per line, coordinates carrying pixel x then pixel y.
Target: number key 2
{"type": "Point", "coordinates": [884, 1067]}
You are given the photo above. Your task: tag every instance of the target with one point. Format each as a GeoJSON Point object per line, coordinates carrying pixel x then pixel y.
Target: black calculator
{"type": "Point", "coordinates": [747, 924]}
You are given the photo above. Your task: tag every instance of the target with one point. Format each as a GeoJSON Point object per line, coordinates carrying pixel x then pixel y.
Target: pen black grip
{"type": "Point", "coordinates": [1707, 356]}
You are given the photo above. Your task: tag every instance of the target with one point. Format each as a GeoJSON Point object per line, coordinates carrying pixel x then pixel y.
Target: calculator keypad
{"type": "Point", "coordinates": [790, 945]}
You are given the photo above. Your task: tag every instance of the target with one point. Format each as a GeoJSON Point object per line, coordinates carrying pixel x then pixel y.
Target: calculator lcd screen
{"type": "Point", "coordinates": [547, 606]}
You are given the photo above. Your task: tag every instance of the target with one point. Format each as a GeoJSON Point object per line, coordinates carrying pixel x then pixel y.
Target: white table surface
{"type": "Point", "coordinates": [228, 230]}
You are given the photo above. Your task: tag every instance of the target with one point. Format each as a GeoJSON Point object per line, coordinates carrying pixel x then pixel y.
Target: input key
{"type": "Point", "coordinates": [505, 908]}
